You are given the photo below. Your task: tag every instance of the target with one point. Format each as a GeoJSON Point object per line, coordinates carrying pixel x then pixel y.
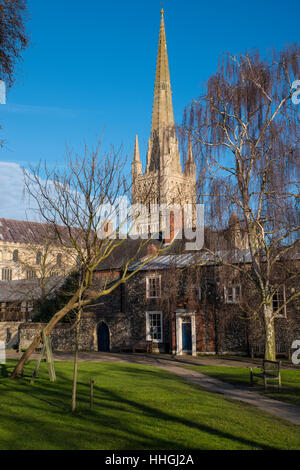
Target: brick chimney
{"type": "Point", "coordinates": [151, 249]}
{"type": "Point", "coordinates": [172, 228]}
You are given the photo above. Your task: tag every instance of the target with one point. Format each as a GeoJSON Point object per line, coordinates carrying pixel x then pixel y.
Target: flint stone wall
{"type": "Point", "coordinates": [63, 335]}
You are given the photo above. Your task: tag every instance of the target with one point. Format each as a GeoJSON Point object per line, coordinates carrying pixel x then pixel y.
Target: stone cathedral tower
{"type": "Point", "coordinates": [163, 182]}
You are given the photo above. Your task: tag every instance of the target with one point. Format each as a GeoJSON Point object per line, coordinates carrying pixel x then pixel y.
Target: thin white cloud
{"type": "Point", "coordinates": [13, 205]}
{"type": "Point", "coordinates": [38, 110]}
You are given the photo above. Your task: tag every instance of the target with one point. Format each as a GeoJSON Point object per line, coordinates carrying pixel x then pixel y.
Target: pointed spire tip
{"type": "Point", "coordinates": [136, 156]}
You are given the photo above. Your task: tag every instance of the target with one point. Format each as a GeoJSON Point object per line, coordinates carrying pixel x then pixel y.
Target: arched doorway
{"type": "Point", "coordinates": [103, 337]}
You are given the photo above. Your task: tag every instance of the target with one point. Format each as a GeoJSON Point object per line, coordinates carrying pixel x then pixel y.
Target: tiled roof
{"type": "Point", "coordinates": [21, 290]}
{"type": "Point", "coordinates": [20, 231]}
{"type": "Point", "coordinates": [196, 258]}
{"type": "Point", "coordinates": [17, 231]}
{"type": "Point", "coordinates": [203, 257]}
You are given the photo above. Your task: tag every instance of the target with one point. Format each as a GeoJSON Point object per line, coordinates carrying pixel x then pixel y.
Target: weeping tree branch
{"type": "Point", "coordinates": [246, 128]}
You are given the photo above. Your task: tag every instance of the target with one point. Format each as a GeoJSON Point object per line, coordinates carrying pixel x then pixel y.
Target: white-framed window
{"type": "Point", "coordinates": [154, 327]}
{"type": "Point", "coordinates": [6, 274]}
{"type": "Point", "coordinates": [153, 287]}
{"type": "Point", "coordinates": [232, 294]}
{"type": "Point", "coordinates": [279, 301]}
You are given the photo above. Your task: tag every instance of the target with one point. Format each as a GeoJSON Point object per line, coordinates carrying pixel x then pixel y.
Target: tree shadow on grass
{"type": "Point", "coordinates": [162, 415]}
{"type": "Point", "coordinates": [3, 371]}
{"type": "Point", "coordinates": [61, 430]}
{"type": "Point", "coordinates": [116, 416]}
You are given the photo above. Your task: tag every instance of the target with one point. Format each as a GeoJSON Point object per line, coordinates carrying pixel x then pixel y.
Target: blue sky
{"type": "Point", "coordinates": [91, 66]}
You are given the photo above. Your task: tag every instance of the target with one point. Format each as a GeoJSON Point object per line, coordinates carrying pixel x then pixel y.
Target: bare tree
{"type": "Point", "coordinates": [246, 129]}
{"type": "Point", "coordinates": [83, 197]}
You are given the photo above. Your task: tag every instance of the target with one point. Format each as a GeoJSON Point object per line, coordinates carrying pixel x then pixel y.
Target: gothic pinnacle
{"type": "Point", "coordinates": [136, 156]}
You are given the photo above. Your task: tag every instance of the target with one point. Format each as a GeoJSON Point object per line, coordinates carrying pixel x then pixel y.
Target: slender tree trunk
{"type": "Point", "coordinates": [270, 348]}
{"type": "Point", "coordinates": [74, 388]}
{"type": "Point", "coordinates": [78, 319]}
{"type": "Point", "coordinates": [37, 339]}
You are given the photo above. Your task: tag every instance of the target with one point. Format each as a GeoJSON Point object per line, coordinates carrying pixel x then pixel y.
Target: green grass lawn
{"type": "Point", "coordinates": [136, 407]}
{"type": "Point", "coordinates": [290, 390]}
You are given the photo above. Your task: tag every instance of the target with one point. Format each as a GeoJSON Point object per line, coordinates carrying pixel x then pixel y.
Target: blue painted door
{"type": "Point", "coordinates": [103, 337]}
{"type": "Point", "coordinates": [186, 336]}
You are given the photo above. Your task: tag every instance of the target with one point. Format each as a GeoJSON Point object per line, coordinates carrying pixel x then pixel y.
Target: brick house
{"type": "Point", "coordinates": [179, 306]}
{"type": "Point", "coordinates": [177, 303]}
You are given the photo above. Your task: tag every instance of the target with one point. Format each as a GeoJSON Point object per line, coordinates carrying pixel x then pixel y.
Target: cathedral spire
{"type": "Point", "coordinates": [136, 165]}
{"type": "Point", "coordinates": [163, 182]}
{"type": "Point", "coordinates": [162, 113]}
{"type": "Point", "coordinates": [136, 156]}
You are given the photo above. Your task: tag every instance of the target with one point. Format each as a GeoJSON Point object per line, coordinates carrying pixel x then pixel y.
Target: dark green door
{"type": "Point", "coordinates": [186, 336]}
{"type": "Point", "coordinates": [103, 337]}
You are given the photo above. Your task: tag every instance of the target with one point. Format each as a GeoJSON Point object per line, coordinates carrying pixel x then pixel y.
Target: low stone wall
{"type": "Point", "coordinates": [9, 333]}
{"type": "Point", "coordinates": [63, 335]}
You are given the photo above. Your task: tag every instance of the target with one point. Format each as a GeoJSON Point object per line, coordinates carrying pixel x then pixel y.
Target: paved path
{"type": "Point", "coordinates": [281, 409]}
{"type": "Point", "coordinates": [154, 359]}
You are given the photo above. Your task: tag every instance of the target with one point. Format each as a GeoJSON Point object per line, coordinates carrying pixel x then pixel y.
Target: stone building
{"type": "Point", "coordinates": [31, 262]}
